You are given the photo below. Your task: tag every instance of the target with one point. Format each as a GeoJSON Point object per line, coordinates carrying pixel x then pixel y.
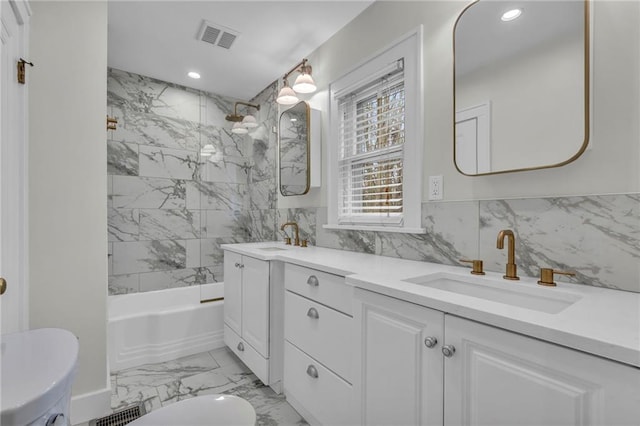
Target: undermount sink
{"type": "Point", "coordinates": [272, 249]}
{"type": "Point", "coordinates": [508, 293]}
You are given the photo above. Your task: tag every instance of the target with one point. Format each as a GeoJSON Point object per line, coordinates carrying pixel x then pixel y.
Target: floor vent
{"type": "Point", "coordinates": [120, 418]}
{"type": "Point", "coordinates": [217, 35]}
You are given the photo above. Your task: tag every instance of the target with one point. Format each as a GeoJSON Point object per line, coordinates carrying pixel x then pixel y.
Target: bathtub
{"type": "Point", "coordinates": [159, 326]}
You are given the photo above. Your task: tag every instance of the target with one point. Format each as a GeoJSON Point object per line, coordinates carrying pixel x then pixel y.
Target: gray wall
{"type": "Point", "coordinates": [67, 181]}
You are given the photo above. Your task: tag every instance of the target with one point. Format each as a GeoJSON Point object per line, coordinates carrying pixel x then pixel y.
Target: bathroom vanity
{"type": "Point", "coordinates": [379, 340]}
{"type": "Point", "coordinates": [253, 315]}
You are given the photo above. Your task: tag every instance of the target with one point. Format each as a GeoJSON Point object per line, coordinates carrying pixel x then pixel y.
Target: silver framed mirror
{"type": "Point", "coordinates": [521, 85]}
{"type": "Point", "coordinates": [293, 150]}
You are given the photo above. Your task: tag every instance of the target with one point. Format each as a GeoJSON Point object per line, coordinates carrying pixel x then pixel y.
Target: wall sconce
{"type": "Point", "coordinates": [303, 84]}
{"type": "Point", "coordinates": [242, 123]}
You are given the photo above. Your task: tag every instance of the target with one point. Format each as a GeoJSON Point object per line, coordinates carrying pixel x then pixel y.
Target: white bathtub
{"type": "Point", "coordinates": [163, 325]}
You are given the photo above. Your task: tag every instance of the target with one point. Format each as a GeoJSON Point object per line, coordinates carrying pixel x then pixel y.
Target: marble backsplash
{"type": "Point", "coordinates": [169, 208]}
{"type": "Point", "coordinates": [598, 237]}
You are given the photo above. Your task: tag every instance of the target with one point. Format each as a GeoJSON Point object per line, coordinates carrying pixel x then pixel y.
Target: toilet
{"type": "Point", "coordinates": [37, 368]}
{"type": "Point", "coordinates": [214, 410]}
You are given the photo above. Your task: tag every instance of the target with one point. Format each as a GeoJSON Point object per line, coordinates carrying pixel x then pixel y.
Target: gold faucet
{"type": "Point", "coordinates": [512, 269]}
{"type": "Point", "coordinates": [296, 241]}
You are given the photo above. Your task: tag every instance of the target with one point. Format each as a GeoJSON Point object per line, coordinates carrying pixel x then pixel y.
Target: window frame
{"type": "Point", "coordinates": [409, 49]}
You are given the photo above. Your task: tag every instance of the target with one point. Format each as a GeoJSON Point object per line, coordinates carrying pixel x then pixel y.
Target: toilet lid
{"type": "Point", "coordinates": [37, 368]}
{"type": "Point", "coordinates": [210, 410]}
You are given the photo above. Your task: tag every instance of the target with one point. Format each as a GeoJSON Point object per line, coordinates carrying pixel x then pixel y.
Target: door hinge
{"type": "Point", "coordinates": [112, 123]}
{"type": "Point", "coordinates": [22, 74]}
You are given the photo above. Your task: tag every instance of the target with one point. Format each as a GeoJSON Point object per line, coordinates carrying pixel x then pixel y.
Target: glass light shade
{"type": "Point", "coordinates": [207, 150]}
{"type": "Point", "coordinates": [239, 129]}
{"type": "Point", "coordinates": [304, 84]}
{"type": "Point", "coordinates": [249, 122]}
{"type": "Point", "coordinates": [287, 96]}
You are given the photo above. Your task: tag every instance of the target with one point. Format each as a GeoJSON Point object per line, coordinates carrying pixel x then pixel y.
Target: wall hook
{"type": "Point", "coordinates": [22, 71]}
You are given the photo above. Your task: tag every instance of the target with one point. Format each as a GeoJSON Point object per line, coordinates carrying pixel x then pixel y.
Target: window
{"type": "Point", "coordinates": [375, 148]}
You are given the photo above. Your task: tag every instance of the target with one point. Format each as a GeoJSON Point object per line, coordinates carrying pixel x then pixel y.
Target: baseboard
{"type": "Point", "coordinates": [89, 406]}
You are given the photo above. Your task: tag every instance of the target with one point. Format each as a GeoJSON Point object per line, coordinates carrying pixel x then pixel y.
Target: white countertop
{"type": "Point", "coordinates": [603, 322]}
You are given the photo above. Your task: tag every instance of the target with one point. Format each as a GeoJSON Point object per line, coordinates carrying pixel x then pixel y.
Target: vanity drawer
{"type": "Point", "coordinates": [321, 332]}
{"type": "Point", "coordinates": [327, 397]}
{"type": "Point", "coordinates": [256, 362]}
{"type": "Point", "coordinates": [327, 289]}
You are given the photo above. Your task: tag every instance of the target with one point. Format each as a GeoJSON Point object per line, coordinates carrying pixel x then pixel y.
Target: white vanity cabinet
{"type": "Point", "coordinates": [484, 375]}
{"type": "Point", "coordinates": [252, 314]}
{"type": "Point", "coordinates": [496, 377]}
{"type": "Point", "coordinates": [318, 369]}
{"type": "Point", "coordinates": [398, 380]}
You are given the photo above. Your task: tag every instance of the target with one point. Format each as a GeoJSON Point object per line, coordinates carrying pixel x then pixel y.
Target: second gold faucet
{"type": "Point", "coordinates": [296, 241]}
{"type": "Point", "coordinates": [512, 269]}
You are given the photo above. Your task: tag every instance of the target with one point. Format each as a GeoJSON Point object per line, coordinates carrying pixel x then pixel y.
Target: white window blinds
{"type": "Point", "coordinates": [371, 149]}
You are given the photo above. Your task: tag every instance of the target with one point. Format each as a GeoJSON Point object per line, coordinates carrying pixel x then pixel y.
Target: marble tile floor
{"type": "Point", "coordinates": [218, 371]}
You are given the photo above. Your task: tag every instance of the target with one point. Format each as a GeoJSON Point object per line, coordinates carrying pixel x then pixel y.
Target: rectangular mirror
{"type": "Point", "coordinates": [293, 147]}
{"type": "Point", "coordinates": [521, 85]}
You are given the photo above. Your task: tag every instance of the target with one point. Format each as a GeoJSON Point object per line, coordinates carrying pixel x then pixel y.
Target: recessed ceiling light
{"type": "Point", "coordinates": [193, 74]}
{"type": "Point", "coordinates": [512, 14]}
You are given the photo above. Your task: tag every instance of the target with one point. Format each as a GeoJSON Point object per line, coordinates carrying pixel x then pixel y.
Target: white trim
{"type": "Point", "coordinates": [376, 228]}
{"type": "Point", "coordinates": [359, 81]}
{"type": "Point", "coordinates": [410, 47]}
{"type": "Point", "coordinates": [21, 10]}
{"type": "Point", "coordinates": [5, 34]}
{"type": "Point", "coordinates": [90, 405]}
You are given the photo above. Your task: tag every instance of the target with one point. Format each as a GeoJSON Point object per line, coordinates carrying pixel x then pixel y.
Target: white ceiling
{"type": "Point", "coordinates": [159, 39]}
{"type": "Point", "coordinates": [482, 38]}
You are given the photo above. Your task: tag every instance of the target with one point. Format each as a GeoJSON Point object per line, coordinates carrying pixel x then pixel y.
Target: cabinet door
{"type": "Point", "coordinates": [496, 377]}
{"type": "Point", "coordinates": [233, 291]}
{"type": "Point", "coordinates": [398, 378]}
{"type": "Point", "coordinates": [255, 304]}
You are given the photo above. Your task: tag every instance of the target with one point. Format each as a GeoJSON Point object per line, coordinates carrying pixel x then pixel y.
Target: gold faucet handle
{"type": "Point", "coordinates": [303, 243]}
{"type": "Point", "coordinates": [546, 276]}
{"type": "Point", "coordinates": [287, 240]}
{"type": "Point", "coordinates": [476, 268]}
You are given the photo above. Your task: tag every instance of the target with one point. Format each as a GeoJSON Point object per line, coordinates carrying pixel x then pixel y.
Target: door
{"type": "Point", "coordinates": [399, 372]}
{"type": "Point", "coordinates": [473, 133]}
{"type": "Point", "coordinates": [233, 291]}
{"type": "Point", "coordinates": [13, 166]}
{"type": "Point", "coordinates": [255, 304]}
{"type": "Point", "coordinates": [496, 377]}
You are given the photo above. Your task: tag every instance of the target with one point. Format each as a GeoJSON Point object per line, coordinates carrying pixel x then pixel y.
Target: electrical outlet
{"type": "Point", "coordinates": [435, 187]}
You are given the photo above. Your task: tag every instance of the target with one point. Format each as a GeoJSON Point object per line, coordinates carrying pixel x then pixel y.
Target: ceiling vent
{"type": "Point", "coordinates": [217, 35]}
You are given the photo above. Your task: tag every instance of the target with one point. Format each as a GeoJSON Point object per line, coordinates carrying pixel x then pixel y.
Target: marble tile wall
{"type": "Point", "coordinates": [598, 237]}
{"type": "Point", "coordinates": [169, 208]}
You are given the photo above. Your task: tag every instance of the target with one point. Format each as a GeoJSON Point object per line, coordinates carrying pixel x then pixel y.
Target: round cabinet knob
{"type": "Point", "coordinates": [3, 286]}
{"type": "Point", "coordinates": [56, 420]}
{"type": "Point", "coordinates": [313, 313]}
{"type": "Point", "coordinates": [313, 281]}
{"type": "Point", "coordinates": [240, 347]}
{"type": "Point", "coordinates": [448, 350]}
{"type": "Point", "coordinates": [430, 342]}
{"type": "Point", "coordinates": [312, 371]}
{"type": "Point", "coordinates": [237, 265]}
